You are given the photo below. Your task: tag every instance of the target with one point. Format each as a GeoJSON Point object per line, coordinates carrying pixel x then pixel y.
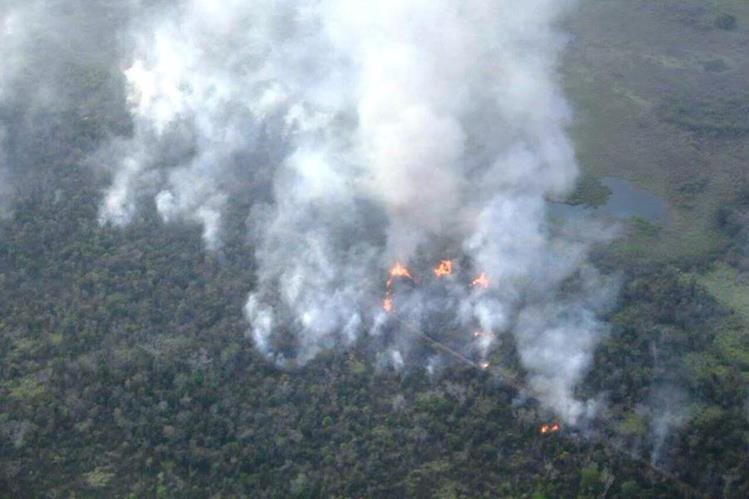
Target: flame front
{"type": "Point", "coordinates": [445, 267]}
{"type": "Point", "coordinates": [387, 303]}
{"type": "Point", "coordinates": [481, 281]}
{"type": "Point", "coordinates": [397, 270]}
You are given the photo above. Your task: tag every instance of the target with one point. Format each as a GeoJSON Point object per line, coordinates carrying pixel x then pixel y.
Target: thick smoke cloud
{"type": "Point", "coordinates": [380, 132]}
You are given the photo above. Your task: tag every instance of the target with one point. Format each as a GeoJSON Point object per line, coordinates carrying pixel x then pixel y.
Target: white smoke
{"type": "Point", "coordinates": [399, 128]}
{"type": "Point", "coordinates": [669, 410]}
{"type": "Point", "coordinates": [11, 40]}
{"type": "Point", "coordinates": [13, 37]}
{"type": "Point", "coordinates": [4, 182]}
{"type": "Point", "coordinates": [58, 91]}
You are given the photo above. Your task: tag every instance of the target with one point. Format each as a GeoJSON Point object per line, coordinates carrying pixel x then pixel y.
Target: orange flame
{"type": "Point", "coordinates": [549, 428]}
{"type": "Point", "coordinates": [484, 365]}
{"type": "Point", "coordinates": [397, 270]}
{"type": "Point", "coordinates": [445, 267]}
{"type": "Point", "coordinates": [481, 281]}
{"type": "Point", "coordinates": [387, 303]}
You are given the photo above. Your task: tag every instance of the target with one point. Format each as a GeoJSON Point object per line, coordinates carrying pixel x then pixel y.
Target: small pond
{"type": "Point", "coordinates": [626, 200]}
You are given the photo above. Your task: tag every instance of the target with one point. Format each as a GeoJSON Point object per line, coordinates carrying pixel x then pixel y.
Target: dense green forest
{"type": "Point", "coordinates": [125, 370]}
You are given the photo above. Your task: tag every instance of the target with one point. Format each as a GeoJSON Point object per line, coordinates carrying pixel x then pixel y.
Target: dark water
{"type": "Point", "coordinates": [628, 200]}
{"type": "Point", "coordinates": [625, 201]}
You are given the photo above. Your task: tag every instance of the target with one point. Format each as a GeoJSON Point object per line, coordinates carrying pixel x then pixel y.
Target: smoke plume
{"type": "Point", "coordinates": [60, 88]}
{"type": "Point", "coordinates": [369, 134]}
{"type": "Point", "coordinates": [11, 40]}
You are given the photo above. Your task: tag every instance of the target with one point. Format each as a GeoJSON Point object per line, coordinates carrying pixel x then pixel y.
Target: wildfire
{"type": "Point", "coordinates": [477, 334]}
{"type": "Point", "coordinates": [549, 428]}
{"type": "Point", "coordinates": [445, 267]}
{"type": "Point", "coordinates": [481, 281]}
{"type": "Point", "coordinates": [397, 270]}
{"type": "Point", "coordinates": [387, 303]}
{"type": "Point", "coordinates": [484, 365]}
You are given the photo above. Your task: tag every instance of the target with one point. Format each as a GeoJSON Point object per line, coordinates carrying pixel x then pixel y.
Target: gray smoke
{"type": "Point", "coordinates": [381, 132]}
{"type": "Point", "coordinates": [5, 188]}
{"type": "Point", "coordinates": [11, 42]}
{"type": "Point", "coordinates": [59, 87]}
{"type": "Point", "coordinates": [669, 410]}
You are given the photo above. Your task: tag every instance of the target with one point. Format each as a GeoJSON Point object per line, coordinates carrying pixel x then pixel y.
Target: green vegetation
{"type": "Point", "coordinates": [589, 191]}
{"type": "Point", "coordinates": [633, 426]}
{"type": "Point", "coordinates": [726, 22]}
{"type": "Point", "coordinates": [124, 370]}
{"type": "Point", "coordinates": [25, 389]}
{"type": "Point", "coordinates": [98, 478]}
{"type": "Point", "coordinates": [726, 285]}
{"type": "Point", "coordinates": [722, 118]}
{"type": "Point", "coordinates": [715, 65]}
{"type": "Point", "coordinates": [686, 148]}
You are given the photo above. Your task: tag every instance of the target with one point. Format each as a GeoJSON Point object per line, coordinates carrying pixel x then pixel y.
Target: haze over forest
{"type": "Point", "coordinates": [315, 248]}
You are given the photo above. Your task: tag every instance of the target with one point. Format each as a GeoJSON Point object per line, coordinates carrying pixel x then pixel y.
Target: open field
{"type": "Point", "coordinates": [661, 99]}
